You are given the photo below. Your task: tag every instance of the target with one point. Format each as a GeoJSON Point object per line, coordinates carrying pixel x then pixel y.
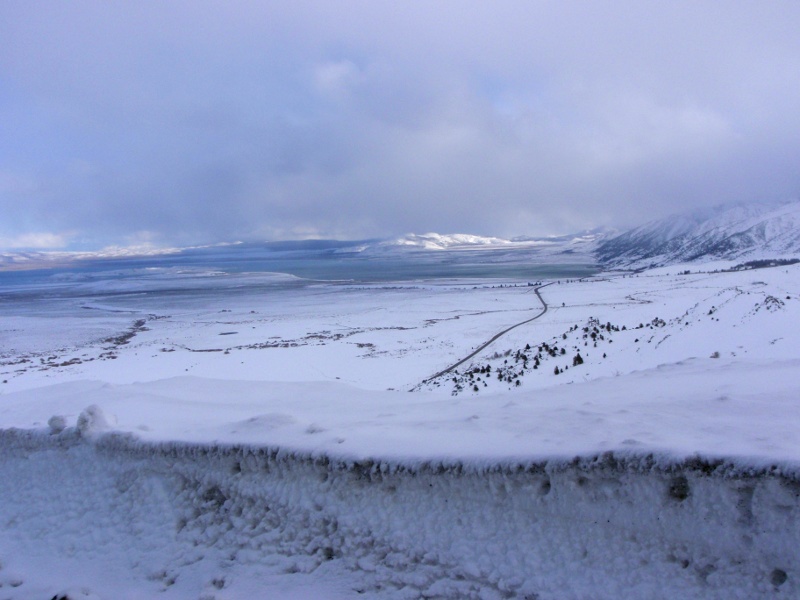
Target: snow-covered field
{"type": "Point", "coordinates": [198, 435]}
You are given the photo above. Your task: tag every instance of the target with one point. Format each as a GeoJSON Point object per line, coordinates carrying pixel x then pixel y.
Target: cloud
{"type": "Point", "coordinates": [37, 241]}
{"type": "Point", "coordinates": [202, 121]}
{"type": "Point", "coordinates": [335, 78]}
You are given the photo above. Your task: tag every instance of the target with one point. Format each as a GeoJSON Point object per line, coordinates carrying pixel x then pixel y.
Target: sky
{"type": "Point", "coordinates": [143, 123]}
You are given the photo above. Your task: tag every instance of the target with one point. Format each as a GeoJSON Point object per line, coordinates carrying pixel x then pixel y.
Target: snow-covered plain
{"type": "Point", "coordinates": [196, 434]}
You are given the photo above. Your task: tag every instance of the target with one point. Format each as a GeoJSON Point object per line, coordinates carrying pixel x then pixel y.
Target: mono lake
{"type": "Point", "coordinates": [198, 272]}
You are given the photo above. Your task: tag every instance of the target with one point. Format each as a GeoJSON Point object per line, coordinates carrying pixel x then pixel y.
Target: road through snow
{"type": "Point", "coordinates": [494, 338]}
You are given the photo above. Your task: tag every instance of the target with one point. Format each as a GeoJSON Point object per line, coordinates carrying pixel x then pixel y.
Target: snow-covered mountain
{"type": "Point", "coordinates": [437, 241]}
{"type": "Point", "coordinates": [583, 241]}
{"type": "Point", "coordinates": [739, 232]}
{"type": "Point", "coordinates": [587, 237]}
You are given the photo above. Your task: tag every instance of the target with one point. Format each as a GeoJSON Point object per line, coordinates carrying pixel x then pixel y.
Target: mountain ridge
{"type": "Point", "coordinates": [727, 232]}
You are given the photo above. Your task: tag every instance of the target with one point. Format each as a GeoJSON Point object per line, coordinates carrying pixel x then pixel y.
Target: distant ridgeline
{"type": "Point", "coordinates": [764, 233]}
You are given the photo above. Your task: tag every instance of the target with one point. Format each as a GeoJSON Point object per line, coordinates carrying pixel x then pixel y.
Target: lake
{"type": "Point", "coordinates": [215, 269]}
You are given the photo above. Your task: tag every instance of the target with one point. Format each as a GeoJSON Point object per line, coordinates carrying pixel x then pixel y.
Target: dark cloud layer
{"type": "Point", "coordinates": [186, 122]}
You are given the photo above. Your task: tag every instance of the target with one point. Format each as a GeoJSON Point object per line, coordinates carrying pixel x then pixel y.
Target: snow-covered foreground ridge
{"type": "Point", "coordinates": [660, 484]}
{"type": "Point", "coordinates": [224, 521]}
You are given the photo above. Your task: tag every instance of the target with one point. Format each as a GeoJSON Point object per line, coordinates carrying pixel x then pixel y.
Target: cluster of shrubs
{"type": "Point", "coordinates": [516, 363]}
{"type": "Point", "coordinates": [765, 263]}
{"type": "Point", "coordinates": [511, 366]}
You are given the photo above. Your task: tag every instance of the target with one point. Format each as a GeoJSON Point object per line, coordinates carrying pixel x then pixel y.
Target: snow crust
{"type": "Point", "coordinates": [119, 518]}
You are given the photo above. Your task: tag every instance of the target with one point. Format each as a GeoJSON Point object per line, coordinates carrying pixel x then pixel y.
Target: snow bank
{"type": "Point", "coordinates": [738, 409]}
{"type": "Point", "coordinates": [117, 517]}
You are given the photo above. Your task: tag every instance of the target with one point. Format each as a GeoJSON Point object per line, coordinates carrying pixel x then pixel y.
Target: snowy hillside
{"type": "Point", "coordinates": [257, 436]}
{"type": "Point", "coordinates": [745, 232]}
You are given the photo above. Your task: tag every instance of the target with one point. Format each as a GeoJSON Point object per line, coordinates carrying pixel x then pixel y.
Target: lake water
{"type": "Point", "coordinates": [248, 265]}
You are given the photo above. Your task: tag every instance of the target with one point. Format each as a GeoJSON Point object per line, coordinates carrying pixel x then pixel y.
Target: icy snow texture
{"type": "Point", "coordinates": [216, 521]}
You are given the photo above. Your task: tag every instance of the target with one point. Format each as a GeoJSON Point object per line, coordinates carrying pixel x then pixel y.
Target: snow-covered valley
{"type": "Point", "coordinates": [266, 436]}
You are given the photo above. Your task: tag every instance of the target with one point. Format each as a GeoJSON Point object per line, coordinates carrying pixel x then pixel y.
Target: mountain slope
{"type": "Point", "coordinates": [727, 232]}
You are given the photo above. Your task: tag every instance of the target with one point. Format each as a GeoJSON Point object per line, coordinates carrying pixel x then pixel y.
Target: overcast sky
{"type": "Point", "coordinates": [174, 123]}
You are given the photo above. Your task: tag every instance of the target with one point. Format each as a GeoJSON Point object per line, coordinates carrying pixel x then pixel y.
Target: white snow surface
{"type": "Point", "coordinates": [291, 444]}
{"type": "Point", "coordinates": [674, 410]}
